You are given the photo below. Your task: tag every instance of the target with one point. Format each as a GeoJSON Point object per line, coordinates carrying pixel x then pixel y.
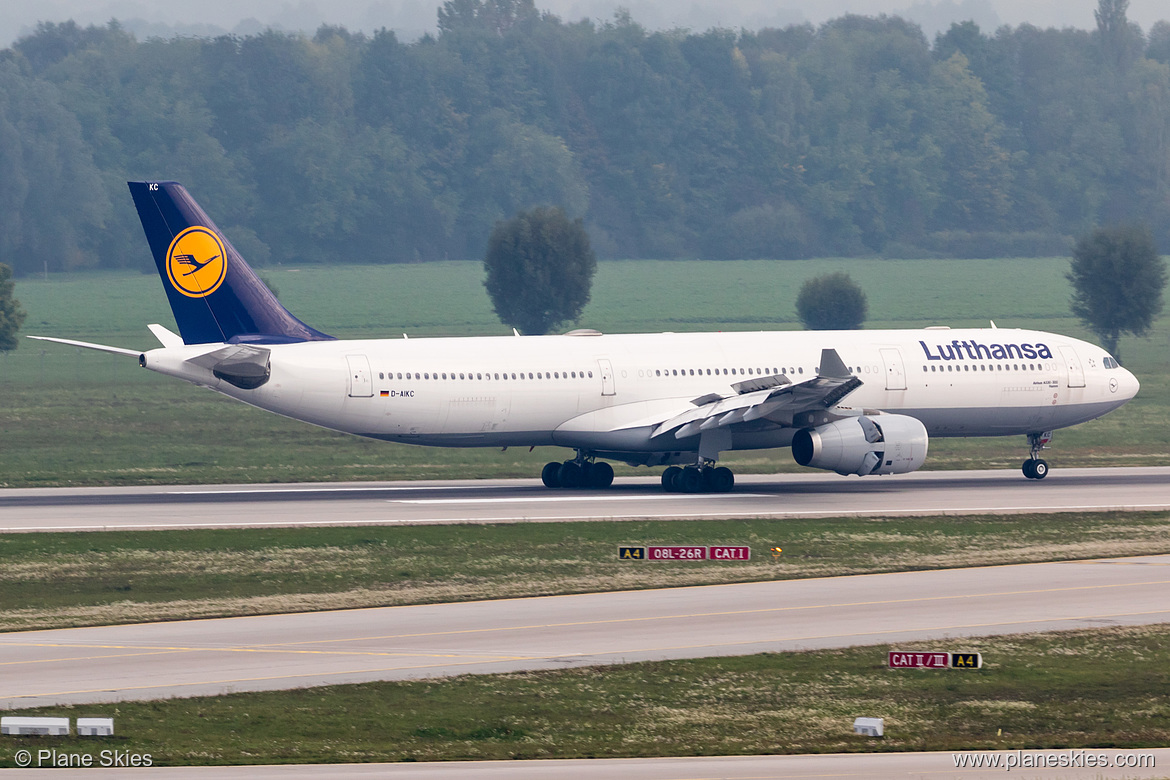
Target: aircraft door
{"type": "Point", "coordinates": [1076, 372]}
{"type": "Point", "coordinates": [895, 373]}
{"type": "Point", "coordinates": [361, 384]}
{"type": "Point", "coordinates": [607, 384]}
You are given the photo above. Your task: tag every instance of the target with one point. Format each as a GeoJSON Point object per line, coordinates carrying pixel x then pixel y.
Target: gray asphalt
{"type": "Point", "coordinates": [788, 495]}
{"type": "Point", "coordinates": [207, 657]}
{"type": "Point", "coordinates": [880, 766]}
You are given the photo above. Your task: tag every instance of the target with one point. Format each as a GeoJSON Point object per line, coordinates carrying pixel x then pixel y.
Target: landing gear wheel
{"type": "Point", "coordinates": [600, 475]}
{"type": "Point", "coordinates": [689, 480]}
{"type": "Point", "coordinates": [570, 474]}
{"type": "Point", "coordinates": [1029, 464]}
{"type": "Point", "coordinates": [668, 478]}
{"type": "Point", "coordinates": [720, 480]}
{"type": "Point", "coordinates": [550, 475]}
{"type": "Point", "coordinates": [1039, 469]}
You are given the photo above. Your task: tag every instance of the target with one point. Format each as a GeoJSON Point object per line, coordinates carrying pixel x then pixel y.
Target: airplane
{"type": "Point", "coordinates": [862, 402]}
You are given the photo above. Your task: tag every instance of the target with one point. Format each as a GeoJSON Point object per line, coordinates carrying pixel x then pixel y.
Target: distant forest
{"type": "Point", "coordinates": [858, 137]}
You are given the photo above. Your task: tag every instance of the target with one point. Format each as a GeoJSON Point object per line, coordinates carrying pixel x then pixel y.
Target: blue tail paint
{"type": "Point", "coordinates": [213, 293]}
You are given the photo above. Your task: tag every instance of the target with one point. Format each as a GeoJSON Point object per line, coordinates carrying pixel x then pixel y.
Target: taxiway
{"type": "Point", "coordinates": [207, 657]}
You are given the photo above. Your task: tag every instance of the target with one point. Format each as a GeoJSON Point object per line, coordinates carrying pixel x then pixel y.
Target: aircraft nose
{"type": "Point", "coordinates": [1127, 384]}
{"type": "Point", "coordinates": [1134, 384]}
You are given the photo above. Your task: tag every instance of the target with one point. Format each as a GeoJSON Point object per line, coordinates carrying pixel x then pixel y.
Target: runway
{"type": "Point", "coordinates": [207, 657]}
{"type": "Point", "coordinates": [485, 501]}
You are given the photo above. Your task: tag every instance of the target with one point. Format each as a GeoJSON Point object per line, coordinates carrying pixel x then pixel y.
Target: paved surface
{"type": "Point", "coordinates": [206, 657]}
{"type": "Point", "coordinates": [884, 766]}
{"type": "Point", "coordinates": [787, 495]}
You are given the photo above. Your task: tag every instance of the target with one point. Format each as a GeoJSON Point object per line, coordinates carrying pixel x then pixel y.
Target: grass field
{"type": "Point", "coordinates": [55, 580]}
{"type": "Point", "coordinates": [1103, 688]}
{"type": "Point", "coordinates": [72, 416]}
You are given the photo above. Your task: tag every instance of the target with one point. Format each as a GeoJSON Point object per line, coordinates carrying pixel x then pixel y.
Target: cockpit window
{"type": "Point", "coordinates": [1110, 362]}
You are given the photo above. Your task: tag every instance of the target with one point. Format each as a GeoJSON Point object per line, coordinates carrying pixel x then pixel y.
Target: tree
{"type": "Point", "coordinates": [539, 269]}
{"type": "Point", "coordinates": [1117, 278]}
{"type": "Point", "coordinates": [831, 302]}
{"type": "Point", "coordinates": [1119, 42]}
{"type": "Point", "coordinates": [11, 315]}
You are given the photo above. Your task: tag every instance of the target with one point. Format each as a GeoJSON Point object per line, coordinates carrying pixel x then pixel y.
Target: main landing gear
{"type": "Point", "coordinates": [1035, 467]}
{"type": "Point", "coordinates": [706, 478]}
{"type": "Point", "coordinates": [582, 472]}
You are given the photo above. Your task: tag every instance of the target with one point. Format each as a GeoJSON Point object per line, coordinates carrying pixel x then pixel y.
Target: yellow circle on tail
{"type": "Point", "coordinates": [196, 262]}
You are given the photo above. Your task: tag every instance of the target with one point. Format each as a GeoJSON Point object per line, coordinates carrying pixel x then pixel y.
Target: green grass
{"type": "Point", "coordinates": [1103, 688]}
{"type": "Point", "coordinates": [70, 416]}
{"type": "Point", "coordinates": [53, 580]}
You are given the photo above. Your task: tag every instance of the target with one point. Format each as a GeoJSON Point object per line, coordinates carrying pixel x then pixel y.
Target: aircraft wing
{"type": "Point", "coordinates": [776, 398]}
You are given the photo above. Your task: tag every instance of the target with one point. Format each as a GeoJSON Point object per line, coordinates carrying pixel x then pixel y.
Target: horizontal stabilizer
{"type": "Point", "coordinates": [87, 345]}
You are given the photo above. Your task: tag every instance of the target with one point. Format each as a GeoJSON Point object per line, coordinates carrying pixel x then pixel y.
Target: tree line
{"type": "Point", "coordinates": [857, 137]}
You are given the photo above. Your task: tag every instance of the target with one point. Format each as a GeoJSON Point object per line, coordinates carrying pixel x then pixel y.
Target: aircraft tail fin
{"type": "Point", "coordinates": [214, 294]}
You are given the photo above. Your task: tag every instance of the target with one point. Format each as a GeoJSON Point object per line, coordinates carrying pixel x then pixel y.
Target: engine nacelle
{"type": "Point", "coordinates": [869, 444]}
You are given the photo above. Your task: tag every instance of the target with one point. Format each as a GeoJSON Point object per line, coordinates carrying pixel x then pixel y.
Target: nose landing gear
{"type": "Point", "coordinates": [1035, 467]}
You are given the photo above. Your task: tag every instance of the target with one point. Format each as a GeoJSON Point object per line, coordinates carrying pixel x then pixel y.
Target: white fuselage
{"type": "Point", "coordinates": [606, 393]}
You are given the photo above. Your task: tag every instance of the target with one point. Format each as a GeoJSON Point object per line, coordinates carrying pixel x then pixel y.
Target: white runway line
{"type": "Point", "coordinates": [569, 499]}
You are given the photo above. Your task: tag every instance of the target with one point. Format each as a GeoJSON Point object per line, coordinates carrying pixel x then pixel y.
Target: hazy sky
{"type": "Point", "coordinates": [411, 18]}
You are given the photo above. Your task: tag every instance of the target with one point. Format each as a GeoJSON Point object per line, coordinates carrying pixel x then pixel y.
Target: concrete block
{"type": "Point", "coordinates": [95, 727]}
{"type": "Point", "coordinates": [870, 727]}
{"type": "Point", "coordinates": [45, 727]}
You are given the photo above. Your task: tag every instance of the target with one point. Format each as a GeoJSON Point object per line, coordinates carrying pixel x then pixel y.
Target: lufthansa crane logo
{"type": "Point", "coordinates": [196, 262]}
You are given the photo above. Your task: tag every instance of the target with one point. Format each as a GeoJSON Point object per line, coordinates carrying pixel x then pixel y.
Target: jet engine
{"type": "Point", "coordinates": [869, 444]}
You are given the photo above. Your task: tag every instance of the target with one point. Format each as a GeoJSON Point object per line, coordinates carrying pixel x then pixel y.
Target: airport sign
{"type": "Point", "coordinates": [899, 659]}
{"type": "Point", "coordinates": [690, 552]}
